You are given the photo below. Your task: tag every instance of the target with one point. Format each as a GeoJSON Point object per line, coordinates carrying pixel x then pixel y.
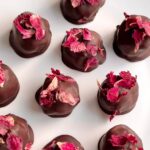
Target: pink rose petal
{"type": "Point", "coordinates": [87, 35]}
{"type": "Point", "coordinates": [76, 3]}
{"type": "Point", "coordinates": [77, 47]}
{"type": "Point", "coordinates": [2, 75]}
{"type": "Point", "coordinates": [14, 143]}
{"type": "Point", "coordinates": [66, 146]}
{"type": "Point", "coordinates": [91, 62]}
{"type": "Point", "coordinates": [113, 95]}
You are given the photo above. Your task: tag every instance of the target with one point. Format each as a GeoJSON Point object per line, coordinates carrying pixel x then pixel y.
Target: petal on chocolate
{"type": "Point", "coordinates": [118, 141]}
{"type": "Point", "coordinates": [14, 143]}
{"type": "Point", "coordinates": [92, 49]}
{"type": "Point", "coordinates": [131, 138]}
{"type": "Point", "coordinates": [113, 95]}
{"type": "Point", "coordinates": [93, 2]}
{"type": "Point", "coordinates": [66, 146]}
{"type": "Point", "coordinates": [87, 35]}
{"type": "Point", "coordinates": [91, 62]}
{"type": "Point", "coordinates": [2, 75]}
{"type": "Point", "coordinates": [69, 40]}
{"type": "Point", "coordinates": [77, 47]}
{"type": "Point", "coordinates": [76, 3]}
{"type": "Point", "coordinates": [111, 78]}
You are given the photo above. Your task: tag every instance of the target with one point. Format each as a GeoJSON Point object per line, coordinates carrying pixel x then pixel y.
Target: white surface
{"type": "Point", "coordinates": [87, 122]}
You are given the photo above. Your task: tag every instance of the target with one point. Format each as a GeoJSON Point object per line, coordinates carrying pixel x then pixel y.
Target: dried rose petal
{"type": "Point", "coordinates": [91, 62]}
{"type": "Point", "coordinates": [66, 146]}
{"type": "Point", "coordinates": [113, 94]}
{"type": "Point", "coordinates": [56, 73]}
{"type": "Point", "coordinates": [77, 47]}
{"type": "Point", "coordinates": [67, 98]}
{"type": "Point", "coordinates": [131, 138]}
{"type": "Point", "coordinates": [29, 24]}
{"type": "Point", "coordinates": [138, 37]}
{"type": "Point", "coordinates": [140, 27]}
{"type": "Point", "coordinates": [87, 35]}
{"type": "Point", "coordinates": [91, 49]}
{"type": "Point", "coordinates": [69, 40]}
{"type": "Point", "coordinates": [74, 32]}
{"type": "Point", "coordinates": [76, 3]}
{"type": "Point", "coordinates": [112, 116]}
{"type": "Point", "coordinates": [111, 78]}
{"type": "Point", "coordinates": [2, 75]}
{"type": "Point", "coordinates": [118, 141]}
{"type": "Point", "coordinates": [6, 123]}
{"type": "Point", "coordinates": [14, 142]}
{"type": "Point", "coordinates": [28, 146]}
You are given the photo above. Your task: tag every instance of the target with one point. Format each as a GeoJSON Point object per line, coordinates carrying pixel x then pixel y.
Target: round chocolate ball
{"type": "Point", "coordinates": [80, 11]}
{"type": "Point", "coordinates": [15, 133]}
{"type": "Point", "coordinates": [83, 50]}
{"type": "Point", "coordinates": [132, 38]}
{"type": "Point", "coordinates": [59, 95]}
{"type": "Point", "coordinates": [64, 142]}
{"type": "Point", "coordinates": [118, 94]}
{"type": "Point", "coordinates": [120, 137]}
{"type": "Point", "coordinates": [9, 85]}
{"type": "Point", "coordinates": [30, 35]}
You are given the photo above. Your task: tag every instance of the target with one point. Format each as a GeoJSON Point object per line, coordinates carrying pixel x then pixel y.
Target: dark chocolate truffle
{"type": "Point", "coordinates": [120, 137]}
{"type": "Point", "coordinates": [30, 35]}
{"type": "Point", "coordinates": [83, 50]}
{"type": "Point", "coordinates": [64, 142]}
{"type": "Point", "coordinates": [59, 95]}
{"type": "Point", "coordinates": [80, 11]}
{"type": "Point", "coordinates": [15, 133]}
{"type": "Point", "coordinates": [132, 38]}
{"type": "Point", "coordinates": [118, 94]}
{"type": "Point", "coordinates": [9, 85]}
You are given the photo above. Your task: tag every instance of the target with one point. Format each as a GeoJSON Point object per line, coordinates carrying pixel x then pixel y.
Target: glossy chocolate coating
{"type": "Point", "coordinates": [125, 104]}
{"type": "Point", "coordinates": [81, 14]}
{"type": "Point", "coordinates": [78, 60]}
{"type": "Point", "coordinates": [11, 87]}
{"type": "Point", "coordinates": [30, 47]}
{"type": "Point", "coordinates": [124, 44]}
{"type": "Point", "coordinates": [59, 109]}
{"type": "Point", "coordinates": [65, 138]}
{"type": "Point", "coordinates": [104, 143]}
{"type": "Point", "coordinates": [22, 130]}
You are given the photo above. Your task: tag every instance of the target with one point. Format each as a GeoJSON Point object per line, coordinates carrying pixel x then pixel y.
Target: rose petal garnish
{"type": "Point", "coordinates": [93, 2]}
{"type": "Point", "coordinates": [29, 24]}
{"type": "Point", "coordinates": [76, 3]}
{"type": "Point", "coordinates": [118, 141]}
{"type": "Point", "coordinates": [111, 78]}
{"type": "Point", "coordinates": [92, 49]}
{"type": "Point", "coordinates": [113, 94]}
{"type": "Point", "coordinates": [140, 28]}
{"type": "Point", "coordinates": [87, 35]}
{"type": "Point", "coordinates": [77, 47]}
{"type": "Point", "coordinates": [6, 123]}
{"type": "Point", "coordinates": [14, 142]}
{"type": "Point", "coordinates": [2, 75]}
{"type": "Point", "coordinates": [28, 146]}
{"type": "Point", "coordinates": [66, 146]}
{"type": "Point", "coordinates": [121, 141]}
{"type": "Point", "coordinates": [67, 98]}
{"type": "Point", "coordinates": [91, 62]}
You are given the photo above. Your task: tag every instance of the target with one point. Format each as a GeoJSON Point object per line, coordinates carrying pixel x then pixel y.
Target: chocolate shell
{"type": "Point", "coordinates": [64, 142]}
{"type": "Point", "coordinates": [9, 85]}
{"type": "Point", "coordinates": [120, 137]}
{"type": "Point", "coordinates": [59, 95]}
{"type": "Point", "coordinates": [81, 11]}
{"type": "Point", "coordinates": [15, 133]}
{"type": "Point", "coordinates": [30, 35]}
{"type": "Point", "coordinates": [132, 38]}
{"type": "Point", "coordinates": [83, 50]}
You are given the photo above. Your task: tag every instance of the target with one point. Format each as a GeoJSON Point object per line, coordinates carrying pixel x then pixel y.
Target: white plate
{"type": "Point", "coordinates": [87, 122]}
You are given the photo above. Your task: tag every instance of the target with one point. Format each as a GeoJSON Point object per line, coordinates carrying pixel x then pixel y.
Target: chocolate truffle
{"type": "Point", "coordinates": [83, 50]}
{"type": "Point", "coordinates": [15, 133]}
{"type": "Point", "coordinates": [132, 38]}
{"type": "Point", "coordinates": [120, 137]}
{"type": "Point", "coordinates": [9, 85]}
{"type": "Point", "coordinates": [30, 35]}
{"type": "Point", "coordinates": [118, 94]}
{"type": "Point", "coordinates": [64, 142]}
{"type": "Point", "coordinates": [59, 95]}
{"type": "Point", "coordinates": [80, 11]}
